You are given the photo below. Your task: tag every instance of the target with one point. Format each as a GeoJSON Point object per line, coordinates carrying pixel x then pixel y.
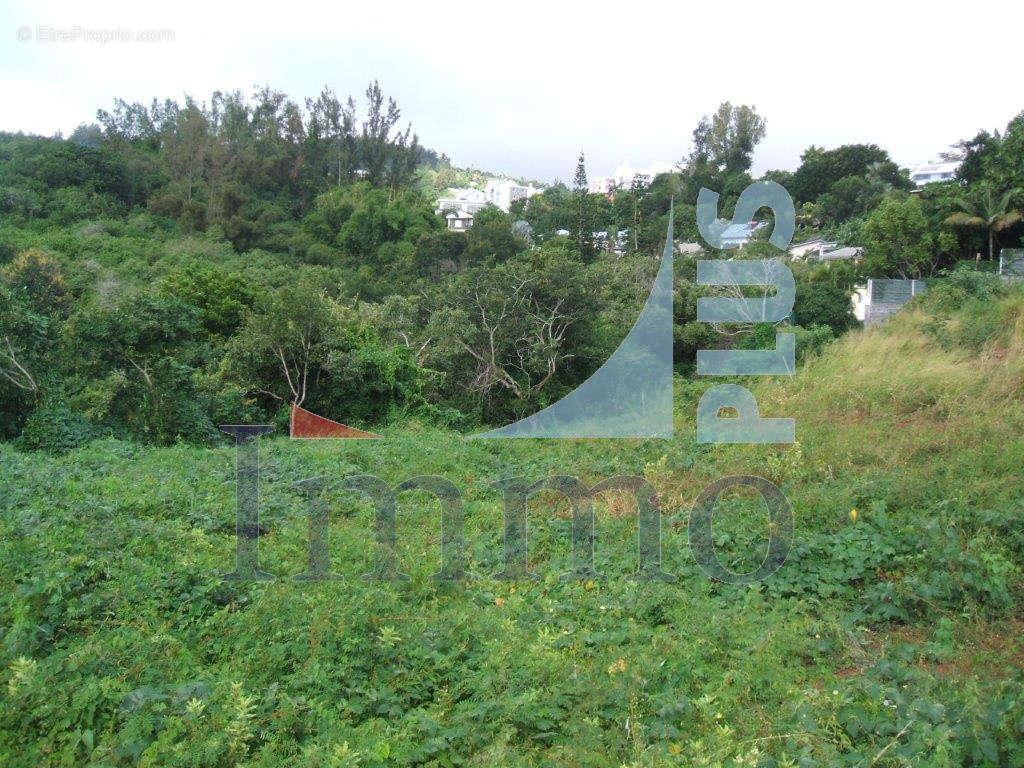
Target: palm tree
{"type": "Point", "coordinates": [986, 211]}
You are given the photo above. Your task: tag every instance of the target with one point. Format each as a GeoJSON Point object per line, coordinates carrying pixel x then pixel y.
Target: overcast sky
{"type": "Point", "coordinates": [521, 87]}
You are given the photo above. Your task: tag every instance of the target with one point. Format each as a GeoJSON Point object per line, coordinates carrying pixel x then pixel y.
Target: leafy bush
{"type": "Point", "coordinates": [986, 310]}
{"type": "Point", "coordinates": [963, 283]}
{"type": "Point", "coordinates": [822, 303]}
{"type": "Point", "coordinates": [808, 340]}
{"type": "Point", "coordinates": [55, 428]}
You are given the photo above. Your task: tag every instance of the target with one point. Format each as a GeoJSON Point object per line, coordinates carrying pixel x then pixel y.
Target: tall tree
{"type": "Point", "coordinates": [820, 169]}
{"type": "Point", "coordinates": [636, 191]}
{"type": "Point", "coordinates": [897, 238]}
{"type": "Point", "coordinates": [723, 143]}
{"type": "Point", "coordinates": [581, 203]}
{"type": "Point", "coordinates": [988, 211]}
{"type": "Point", "coordinates": [186, 148]}
{"type": "Point", "coordinates": [331, 133]}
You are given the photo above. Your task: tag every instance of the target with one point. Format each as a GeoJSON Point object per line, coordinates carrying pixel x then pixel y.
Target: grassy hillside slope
{"type": "Point", "coordinates": [892, 635]}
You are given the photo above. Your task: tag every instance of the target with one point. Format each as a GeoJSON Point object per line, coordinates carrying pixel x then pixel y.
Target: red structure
{"type": "Point", "coordinates": [308, 426]}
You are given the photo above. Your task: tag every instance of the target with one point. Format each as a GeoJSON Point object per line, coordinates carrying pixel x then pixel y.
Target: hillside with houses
{"type": "Point", "coordinates": [245, 341]}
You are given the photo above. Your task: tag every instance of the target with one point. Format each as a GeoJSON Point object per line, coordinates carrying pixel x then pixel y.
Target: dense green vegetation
{"type": "Point", "coordinates": [891, 637]}
{"type": "Point", "coordinates": [180, 266]}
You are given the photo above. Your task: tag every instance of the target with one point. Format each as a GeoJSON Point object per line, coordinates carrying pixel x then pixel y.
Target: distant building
{"type": "Point", "coordinates": [808, 248]}
{"type": "Point", "coordinates": [466, 202]}
{"type": "Point", "coordinates": [737, 235]}
{"type": "Point", "coordinates": [468, 198]}
{"type": "Point", "coordinates": [932, 172]}
{"type": "Point", "coordinates": [821, 249]}
{"type": "Point", "coordinates": [841, 254]}
{"type": "Point", "coordinates": [879, 299]}
{"type": "Point", "coordinates": [624, 176]}
{"type": "Point", "coordinates": [459, 221]}
{"type": "Point", "coordinates": [459, 207]}
{"type": "Point", "coordinates": [504, 192]}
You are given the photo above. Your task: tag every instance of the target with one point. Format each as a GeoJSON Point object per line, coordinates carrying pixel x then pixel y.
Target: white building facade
{"type": "Point", "coordinates": [810, 248]}
{"type": "Point", "coordinates": [929, 173]}
{"type": "Point", "coordinates": [504, 192]}
{"type": "Point", "coordinates": [624, 176]}
{"type": "Point", "coordinates": [459, 206]}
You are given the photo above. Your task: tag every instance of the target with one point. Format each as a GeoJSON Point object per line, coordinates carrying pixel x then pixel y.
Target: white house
{"type": "Point", "coordinates": [737, 235]}
{"type": "Point", "coordinates": [624, 175]}
{"type": "Point", "coordinates": [932, 172]}
{"type": "Point", "coordinates": [459, 221]}
{"type": "Point", "coordinates": [468, 199]}
{"type": "Point", "coordinates": [459, 207]}
{"type": "Point", "coordinates": [504, 192]}
{"type": "Point", "coordinates": [813, 247]}
{"type": "Point", "coordinates": [842, 254]}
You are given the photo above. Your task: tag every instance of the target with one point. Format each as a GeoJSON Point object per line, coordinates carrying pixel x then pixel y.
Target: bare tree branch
{"type": "Point", "coordinates": [19, 377]}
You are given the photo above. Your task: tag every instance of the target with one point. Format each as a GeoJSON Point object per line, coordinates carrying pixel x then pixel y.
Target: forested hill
{"type": "Point", "coordinates": [176, 266]}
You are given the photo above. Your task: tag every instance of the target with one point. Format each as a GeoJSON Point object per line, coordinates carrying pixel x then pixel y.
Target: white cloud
{"type": "Point", "coordinates": [521, 88]}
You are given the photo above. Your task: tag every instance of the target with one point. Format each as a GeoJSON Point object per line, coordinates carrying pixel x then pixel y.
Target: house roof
{"type": "Point", "coordinates": [841, 253]}
{"type": "Point", "coordinates": [465, 193]}
{"type": "Point", "coordinates": [742, 231]}
{"type": "Point", "coordinates": [495, 183]}
{"type": "Point", "coordinates": [817, 241]}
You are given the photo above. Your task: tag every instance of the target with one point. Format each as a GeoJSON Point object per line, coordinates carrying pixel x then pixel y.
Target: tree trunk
{"type": "Point", "coordinates": [636, 223]}
{"type": "Point", "coordinates": [990, 238]}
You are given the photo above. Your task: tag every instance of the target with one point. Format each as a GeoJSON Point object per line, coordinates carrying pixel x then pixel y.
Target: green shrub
{"type": "Point", "coordinates": [808, 340]}
{"type": "Point", "coordinates": [820, 303]}
{"type": "Point", "coordinates": [56, 429]}
{"type": "Point", "coordinates": [959, 285]}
